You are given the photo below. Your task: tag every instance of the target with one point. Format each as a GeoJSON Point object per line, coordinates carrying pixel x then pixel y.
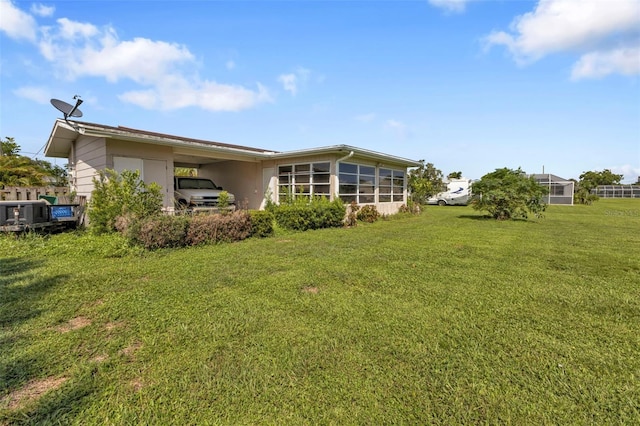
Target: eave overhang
{"type": "Point", "coordinates": [64, 133]}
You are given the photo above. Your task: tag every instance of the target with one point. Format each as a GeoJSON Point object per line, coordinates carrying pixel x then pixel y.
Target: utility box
{"type": "Point", "coordinates": [28, 212]}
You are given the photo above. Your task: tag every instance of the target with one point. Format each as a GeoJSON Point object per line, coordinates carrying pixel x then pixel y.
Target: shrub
{"type": "Point", "coordinates": [352, 214]}
{"type": "Point", "coordinates": [509, 194]}
{"type": "Point", "coordinates": [121, 194]}
{"type": "Point", "coordinates": [217, 227]}
{"type": "Point", "coordinates": [368, 214]}
{"type": "Point", "coordinates": [314, 213]}
{"type": "Point", "coordinates": [261, 223]}
{"type": "Point", "coordinates": [223, 200]}
{"type": "Point", "coordinates": [410, 208]}
{"type": "Point", "coordinates": [158, 232]}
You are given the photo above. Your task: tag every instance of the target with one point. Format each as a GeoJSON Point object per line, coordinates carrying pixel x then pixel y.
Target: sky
{"type": "Point", "coordinates": [470, 86]}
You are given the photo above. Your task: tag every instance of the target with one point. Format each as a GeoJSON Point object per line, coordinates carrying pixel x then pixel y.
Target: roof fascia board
{"type": "Point", "coordinates": [346, 149]}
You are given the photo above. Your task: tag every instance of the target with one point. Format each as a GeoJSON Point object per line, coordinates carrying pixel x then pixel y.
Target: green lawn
{"type": "Point", "coordinates": [445, 317]}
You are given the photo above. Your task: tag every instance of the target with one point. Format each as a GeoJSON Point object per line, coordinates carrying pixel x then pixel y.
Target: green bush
{"type": "Point", "coordinates": [411, 208]}
{"type": "Point", "coordinates": [315, 213]}
{"type": "Point", "coordinates": [121, 194]}
{"type": "Point", "coordinates": [261, 223]}
{"type": "Point", "coordinates": [368, 213]}
{"type": "Point", "coordinates": [509, 194]}
{"type": "Point", "coordinates": [159, 232]}
{"type": "Point", "coordinates": [214, 228]}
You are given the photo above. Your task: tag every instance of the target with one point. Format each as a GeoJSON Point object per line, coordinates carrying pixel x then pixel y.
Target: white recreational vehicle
{"type": "Point", "coordinates": [458, 193]}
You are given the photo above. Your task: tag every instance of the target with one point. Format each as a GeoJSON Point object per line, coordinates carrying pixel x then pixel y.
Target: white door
{"type": "Point", "coordinates": [156, 171]}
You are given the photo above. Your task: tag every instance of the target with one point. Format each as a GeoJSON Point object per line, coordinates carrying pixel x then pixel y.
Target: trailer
{"type": "Point", "coordinates": [38, 215]}
{"type": "Point", "coordinates": [458, 193]}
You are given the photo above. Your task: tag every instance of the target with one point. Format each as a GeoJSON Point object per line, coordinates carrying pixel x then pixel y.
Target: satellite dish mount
{"type": "Point", "coordinates": [67, 109]}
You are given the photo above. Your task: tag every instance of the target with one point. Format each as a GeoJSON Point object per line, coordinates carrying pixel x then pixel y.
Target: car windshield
{"type": "Point", "coordinates": [196, 184]}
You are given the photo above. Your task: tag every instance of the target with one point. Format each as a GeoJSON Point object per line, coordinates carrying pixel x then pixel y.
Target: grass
{"type": "Point", "coordinates": [442, 318]}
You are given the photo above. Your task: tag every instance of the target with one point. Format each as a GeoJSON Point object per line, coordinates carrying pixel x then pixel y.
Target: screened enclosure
{"type": "Point", "coordinates": [560, 190]}
{"type": "Point", "coordinates": [617, 191]}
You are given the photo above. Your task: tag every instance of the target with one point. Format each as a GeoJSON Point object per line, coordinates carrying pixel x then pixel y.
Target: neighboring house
{"type": "Point", "coordinates": [253, 175]}
{"type": "Point", "coordinates": [560, 190]}
{"type": "Point", "coordinates": [617, 191]}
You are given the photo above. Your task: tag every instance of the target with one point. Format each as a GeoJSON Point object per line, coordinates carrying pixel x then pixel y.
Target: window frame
{"type": "Point", "coordinates": [310, 176]}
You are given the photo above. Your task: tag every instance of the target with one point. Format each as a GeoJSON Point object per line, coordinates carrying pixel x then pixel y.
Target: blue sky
{"type": "Point", "coordinates": [470, 86]}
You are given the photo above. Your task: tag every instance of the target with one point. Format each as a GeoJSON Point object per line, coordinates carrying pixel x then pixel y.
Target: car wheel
{"type": "Point", "coordinates": [442, 203]}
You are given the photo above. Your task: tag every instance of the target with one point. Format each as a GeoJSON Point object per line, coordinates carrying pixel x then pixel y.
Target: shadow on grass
{"type": "Point", "coordinates": [22, 292]}
{"type": "Point", "coordinates": [18, 303]}
{"type": "Point", "coordinates": [59, 406]}
{"type": "Point", "coordinates": [476, 217]}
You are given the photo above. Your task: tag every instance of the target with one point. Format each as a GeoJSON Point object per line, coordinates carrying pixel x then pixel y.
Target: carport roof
{"type": "Point", "coordinates": [64, 133]}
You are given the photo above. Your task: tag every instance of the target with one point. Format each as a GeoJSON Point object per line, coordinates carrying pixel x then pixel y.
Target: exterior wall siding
{"type": "Point", "coordinates": [89, 156]}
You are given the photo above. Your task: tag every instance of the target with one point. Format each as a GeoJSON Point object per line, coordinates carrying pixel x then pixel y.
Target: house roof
{"type": "Point", "coordinates": [548, 177]}
{"type": "Point", "coordinates": [64, 133]}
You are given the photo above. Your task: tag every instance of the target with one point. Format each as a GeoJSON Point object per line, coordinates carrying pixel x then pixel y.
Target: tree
{"type": "Point", "coordinates": [592, 179]}
{"type": "Point", "coordinates": [454, 175]}
{"type": "Point", "coordinates": [19, 170]}
{"type": "Point", "coordinates": [589, 181]}
{"type": "Point", "coordinates": [9, 147]}
{"type": "Point", "coordinates": [424, 181]}
{"type": "Point", "coordinates": [509, 194]}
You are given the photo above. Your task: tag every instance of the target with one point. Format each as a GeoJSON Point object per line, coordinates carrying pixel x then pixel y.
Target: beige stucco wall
{"type": "Point", "coordinates": [242, 179]}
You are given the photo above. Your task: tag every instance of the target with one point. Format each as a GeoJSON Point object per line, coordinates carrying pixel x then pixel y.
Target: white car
{"type": "Point", "coordinates": [190, 192]}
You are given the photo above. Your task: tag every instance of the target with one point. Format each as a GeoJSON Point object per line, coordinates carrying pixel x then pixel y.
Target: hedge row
{"type": "Point", "coordinates": [304, 214]}
{"type": "Point", "coordinates": [178, 231]}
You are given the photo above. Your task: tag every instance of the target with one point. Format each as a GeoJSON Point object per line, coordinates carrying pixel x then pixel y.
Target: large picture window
{"type": "Point", "coordinates": [358, 183]}
{"type": "Point", "coordinates": [391, 185]}
{"type": "Point", "coordinates": [304, 179]}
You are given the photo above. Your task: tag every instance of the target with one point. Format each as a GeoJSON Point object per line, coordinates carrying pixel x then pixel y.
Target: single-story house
{"type": "Point", "coordinates": [253, 175]}
{"type": "Point", "coordinates": [560, 190]}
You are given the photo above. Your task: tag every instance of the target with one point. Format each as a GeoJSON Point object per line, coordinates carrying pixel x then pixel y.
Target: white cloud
{"type": "Point", "coordinates": [289, 83]}
{"type": "Point", "coordinates": [586, 26]}
{"type": "Point", "coordinates": [162, 69]}
{"type": "Point", "coordinates": [293, 81]}
{"type": "Point", "coordinates": [625, 61]}
{"type": "Point", "coordinates": [37, 94]}
{"type": "Point", "coordinates": [630, 173]}
{"type": "Point", "coordinates": [16, 23]}
{"type": "Point", "coordinates": [178, 93]}
{"type": "Point", "coordinates": [42, 10]}
{"type": "Point", "coordinates": [450, 5]}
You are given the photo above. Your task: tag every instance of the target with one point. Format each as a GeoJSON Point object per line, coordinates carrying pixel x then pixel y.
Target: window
{"type": "Point", "coordinates": [391, 185]}
{"type": "Point", "coordinates": [304, 179]}
{"type": "Point", "coordinates": [358, 183]}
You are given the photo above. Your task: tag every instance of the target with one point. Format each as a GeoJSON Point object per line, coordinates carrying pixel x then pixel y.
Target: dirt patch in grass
{"type": "Point", "coordinates": [311, 290]}
{"type": "Point", "coordinates": [137, 384]}
{"type": "Point", "coordinates": [99, 358]}
{"type": "Point", "coordinates": [113, 324]}
{"type": "Point", "coordinates": [131, 349]}
{"type": "Point", "coordinates": [74, 324]}
{"type": "Point", "coordinates": [31, 391]}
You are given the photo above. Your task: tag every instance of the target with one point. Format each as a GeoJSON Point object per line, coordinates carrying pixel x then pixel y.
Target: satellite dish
{"type": "Point", "coordinates": [67, 109]}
